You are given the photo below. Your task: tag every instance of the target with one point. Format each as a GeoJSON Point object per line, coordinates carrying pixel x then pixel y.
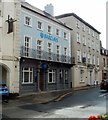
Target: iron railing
{"type": "Point", "coordinates": [43, 55]}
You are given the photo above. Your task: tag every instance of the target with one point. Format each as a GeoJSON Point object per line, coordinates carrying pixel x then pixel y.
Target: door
{"type": "Point", "coordinates": [41, 80]}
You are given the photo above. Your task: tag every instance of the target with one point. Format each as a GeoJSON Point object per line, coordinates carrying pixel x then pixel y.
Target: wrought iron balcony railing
{"type": "Point", "coordinates": [43, 55]}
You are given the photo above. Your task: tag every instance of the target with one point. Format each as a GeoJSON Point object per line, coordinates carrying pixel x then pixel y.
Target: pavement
{"type": "Point", "coordinates": [45, 97]}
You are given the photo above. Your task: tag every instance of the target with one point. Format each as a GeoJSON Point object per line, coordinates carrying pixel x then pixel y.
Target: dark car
{"type": "Point", "coordinates": [104, 85]}
{"type": "Point", "coordinates": [4, 92]}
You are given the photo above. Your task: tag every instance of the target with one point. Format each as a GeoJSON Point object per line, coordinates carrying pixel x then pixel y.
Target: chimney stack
{"type": "Point", "coordinates": [49, 8]}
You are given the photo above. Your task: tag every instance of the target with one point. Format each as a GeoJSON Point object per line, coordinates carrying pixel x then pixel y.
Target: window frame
{"type": "Point", "coordinates": [30, 22]}
{"type": "Point", "coordinates": [30, 72]}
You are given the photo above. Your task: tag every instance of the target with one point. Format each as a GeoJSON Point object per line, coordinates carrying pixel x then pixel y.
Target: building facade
{"type": "Point", "coordinates": [35, 51]}
{"type": "Point", "coordinates": [104, 63]}
{"type": "Point", "coordinates": [9, 45]}
{"type": "Point", "coordinates": [85, 50]}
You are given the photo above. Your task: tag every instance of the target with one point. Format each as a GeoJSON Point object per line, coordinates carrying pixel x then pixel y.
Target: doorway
{"type": "Point", "coordinates": [41, 80]}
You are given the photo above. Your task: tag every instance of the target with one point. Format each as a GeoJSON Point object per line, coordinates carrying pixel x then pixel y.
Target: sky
{"type": "Point", "coordinates": [92, 11]}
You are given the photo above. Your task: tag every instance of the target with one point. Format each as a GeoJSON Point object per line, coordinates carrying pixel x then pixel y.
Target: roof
{"type": "Point", "coordinates": [42, 13]}
{"type": "Point", "coordinates": [76, 16]}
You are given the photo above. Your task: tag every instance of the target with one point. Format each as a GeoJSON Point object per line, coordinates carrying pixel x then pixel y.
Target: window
{"type": "Point", "coordinates": [51, 76]}
{"type": "Point", "coordinates": [93, 60]}
{"type": "Point", "coordinates": [49, 29]}
{"type": "Point", "coordinates": [27, 46]}
{"type": "Point", "coordinates": [84, 40]}
{"type": "Point", "coordinates": [84, 54]}
{"type": "Point", "coordinates": [65, 54]}
{"type": "Point", "coordinates": [27, 75]}
{"type": "Point", "coordinates": [97, 60]}
{"type": "Point", "coordinates": [88, 57]}
{"type": "Point", "coordinates": [79, 56]}
{"type": "Point", "coordinates": [0, 12]}
{"type": "Point", "coordinates": [92, 33]}
{"type": "Point", "coordinates": [78, 37]}
{"type": "Point", "coordinates": [104, 61]}
{"type": "Point", "coordinates": [89, 31]}
{"type": "Point", "coordinates": [65, 35]}
{"type": "Point", "coordinates": [89, 42]}
{"type": "Point", "coordinates": [83, 27]}
{"type": "Point", "coordinates": [39, 49]}
{"type": "Point", "coordinates": [39, 25]}
{"type": "Point", "coordinates": [57, 32]}
{"type": "Point", "coordinates": [107, 62]}
{"type": "Point", "coordinates": [28, 21]}
{"type": "Point", "coordinates": [66, 76]}
{"type": "Point", "coordinates": [49, 51]}
{"type": "Point", "coordinates": [77, 23]}
{"type": "Point", "coordinates": [81, 75]}
{"type": "Point", "coordinates": [61, 75]}
{"type": "Point", "coordinates": [58, 52]}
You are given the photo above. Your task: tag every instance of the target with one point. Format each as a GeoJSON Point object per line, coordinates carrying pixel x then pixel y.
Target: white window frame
{"type": "Point", "coordinates": [81, 75]}
{"type": "Point", "coordinates": [65, 35]}
{"type": "Point", "coordinates": [83, 27]}
{"type": "Point", "coordinates": [57, 32]}
{"type": "Point", "coordinates": [78, 37]}
{"type": "Point", "coordinates": [78, 56]}
{"type": "Point", "coordinates": [49, 29]}
{"type": "Point", "coordinates": [30, 72]}
{"type": "Point", "coordinates": [53, 72]}
{"type": "Point", "coordinates": [77, 23]}
{"type": "Point", "coordinates": [66, 76]}
{"type": "Point", "coordinates": [27, 45]}
{"type": "Point", "coordinates": [39, 49]}
{"type": "Point", "coordinates": [29, 22]}
{"type": "Point", "coordinates": [40, 25]}
{"type": "Point", "coordinates": [84, 40]}
{"type": "Point", "coordinates": [49, 48]}
{"type": "Point", "coordinates": [58, 52]}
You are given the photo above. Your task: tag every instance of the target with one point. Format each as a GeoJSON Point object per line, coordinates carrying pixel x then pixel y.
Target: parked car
{"type": "Point", "coordinates": [4, 92]}
{"type": "Point", "coordinates": [104, 85]}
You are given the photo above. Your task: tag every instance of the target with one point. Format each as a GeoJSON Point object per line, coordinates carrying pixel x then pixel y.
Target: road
{"type": "Point", "coordinates": [80, 104]}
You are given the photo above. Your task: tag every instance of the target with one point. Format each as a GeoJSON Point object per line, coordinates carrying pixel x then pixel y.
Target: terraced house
{"type": "Point", "coordinates": [85, 50]}
{"type": "Point", "coordinates": [37, 49]}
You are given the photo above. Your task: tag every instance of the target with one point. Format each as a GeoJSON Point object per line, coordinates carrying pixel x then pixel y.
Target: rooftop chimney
{"type": "Point", "coordinates": [49, 8]}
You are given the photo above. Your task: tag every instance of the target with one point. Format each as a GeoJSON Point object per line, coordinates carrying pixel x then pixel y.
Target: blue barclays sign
{"type": "Point", "coordinates": [49, 37]}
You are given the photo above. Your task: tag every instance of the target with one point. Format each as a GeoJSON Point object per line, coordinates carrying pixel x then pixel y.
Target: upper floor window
{"type": "Point", "coordinates": [40, 25]}
{"type": "Point", "coordinates": [27, 41]}
{"type": "Point", "coordinates": [92, 33]}
{"type": "Point", "coordinates": [83, 27]}
{"type": "Point", "coordinates": [65, 35]}
{"type": "Point", "coordinates": [79, 56]}
{"type": "Point", "coordinates": [49, 51]}
{"type": "Point", "coordinates": [77, 23]}
{"type": "Point", "coordinates": [28, 21]}
{"type": "Point", "coordinates": [49, 29]}
{"type": "Point", "coordinates": [57, 32]}
{"type": "Point", "coordinates": [89, 31]}
{"type": "Point", "coordinates": [0, 13]}
{"type": "Point", "coordinates": [104, 62]}
{"type": "Point", "coordinates": [78, 37]}
{"type": "Point", "coordinates": [39, 49]}
{"type": "Point", "coordinates": [84, 40]}
{"type": "Point", "coordinates": [58, 52]}
{"type": "Point", "coordinates": [97, 60]}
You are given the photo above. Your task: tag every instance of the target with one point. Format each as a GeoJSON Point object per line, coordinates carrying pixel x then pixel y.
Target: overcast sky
{"type": "Point", "coordinates": [92, 11]}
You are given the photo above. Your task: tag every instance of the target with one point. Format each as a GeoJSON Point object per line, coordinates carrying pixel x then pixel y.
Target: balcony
{"type": "Point", "coordinates": [43, 55]}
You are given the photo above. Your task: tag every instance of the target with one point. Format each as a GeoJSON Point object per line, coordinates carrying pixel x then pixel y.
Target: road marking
{"type": "Point", "coordinates": [102, 95]}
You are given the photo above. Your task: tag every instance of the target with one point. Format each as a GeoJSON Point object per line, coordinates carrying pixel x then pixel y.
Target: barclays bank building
{"type": "Point", "coordinates": [45, 52]}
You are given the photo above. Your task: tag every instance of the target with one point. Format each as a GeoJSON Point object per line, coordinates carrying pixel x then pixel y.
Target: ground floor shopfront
{"type": "Point", "coordinates": [37, 75]}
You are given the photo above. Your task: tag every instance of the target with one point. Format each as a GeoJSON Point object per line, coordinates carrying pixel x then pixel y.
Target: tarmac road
{"type": "Point", "coordinates": [79, 104]}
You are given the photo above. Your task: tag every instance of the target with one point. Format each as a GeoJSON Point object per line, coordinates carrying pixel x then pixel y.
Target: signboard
{"type": "Point", "coordinates": [49, 37]}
